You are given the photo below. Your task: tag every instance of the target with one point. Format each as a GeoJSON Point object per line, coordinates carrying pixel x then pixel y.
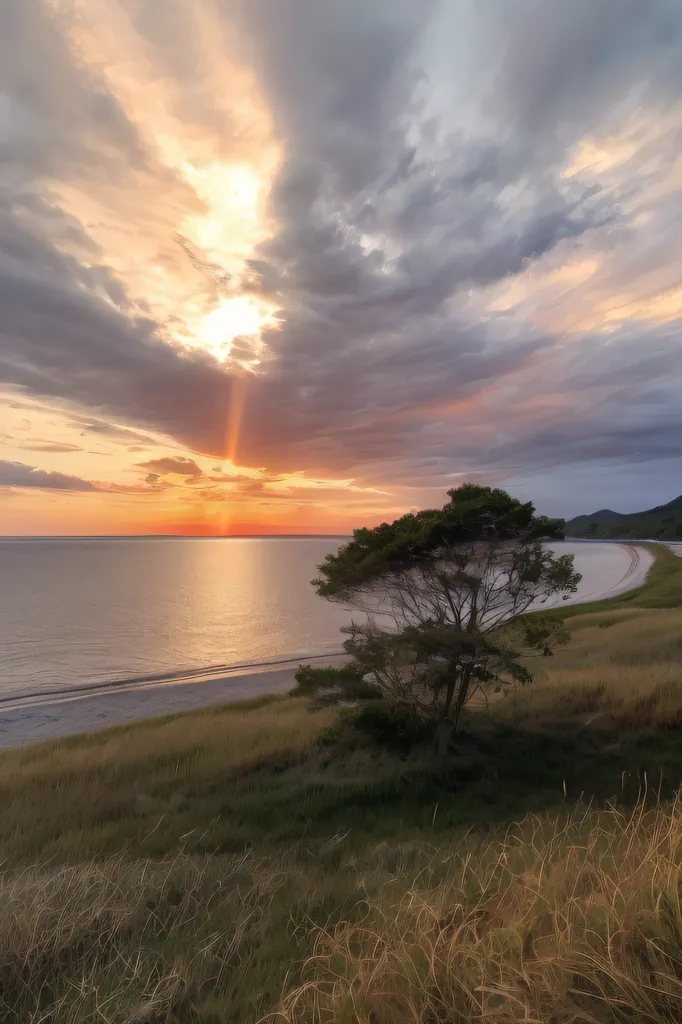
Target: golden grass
{"type": "Point", "coordinates": [140, 913]}
{"type": "Point", "coordinates": [78, 796]}
{"type": "Point", "coordinates": [571, 922]}
{"type": "Point", "coordinates": [621, 669]}
{"type": "Point", "coordinates": [139, 942]}
{"type": "Point", "coordinates": [206, 742]}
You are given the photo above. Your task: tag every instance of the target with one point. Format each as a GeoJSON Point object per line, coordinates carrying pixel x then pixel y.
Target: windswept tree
{"type": "Point", "coordinates": [445, 592]}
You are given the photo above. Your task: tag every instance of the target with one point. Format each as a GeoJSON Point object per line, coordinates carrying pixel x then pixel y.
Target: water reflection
{"type": "Point", "coordinates": [92, 610]}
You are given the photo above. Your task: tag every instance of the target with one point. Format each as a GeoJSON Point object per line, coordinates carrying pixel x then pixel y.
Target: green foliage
{"type": "Point", "coordinates": [394, 726]}
{"type": "Point", "coordinates": [328, 685]}
{"type": "Point", "coordinates": [455, 582]}
{"type": "Point", "coordinates": [473, 514]}
{"type": "Point", "coordinates": [539, 634]}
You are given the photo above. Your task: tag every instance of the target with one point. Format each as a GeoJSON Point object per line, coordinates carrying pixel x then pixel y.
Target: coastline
{"type": "Point", "coordinates": [30, 718]}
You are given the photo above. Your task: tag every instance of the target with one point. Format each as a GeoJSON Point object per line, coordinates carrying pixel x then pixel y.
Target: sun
{"type": "Point", "coordinates": [238, 317]}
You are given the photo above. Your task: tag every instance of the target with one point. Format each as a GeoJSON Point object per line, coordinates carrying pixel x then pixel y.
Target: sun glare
{"type": "Point", "coordinates": [232, 224]}
{"type": "Point", "coordinates": [198, 225]}
{"type": "Point", "coordinates": [240, 317]}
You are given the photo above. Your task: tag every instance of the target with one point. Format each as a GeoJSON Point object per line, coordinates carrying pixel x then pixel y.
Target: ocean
{"type": "Point", "coordinates": [94, 610]}
{"type": "Point", "coordinates": [77, 611]}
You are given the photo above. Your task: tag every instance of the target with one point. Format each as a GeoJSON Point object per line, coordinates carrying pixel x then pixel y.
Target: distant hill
{"type": "Point", "coordinates": [661, 523]}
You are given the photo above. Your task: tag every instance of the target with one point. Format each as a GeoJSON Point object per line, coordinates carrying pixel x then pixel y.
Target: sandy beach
{"type": "Point", "coordinates": [31, 718]}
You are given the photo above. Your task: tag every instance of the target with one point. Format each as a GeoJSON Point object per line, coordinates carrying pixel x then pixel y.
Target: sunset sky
{"type": "Point", "coordinates": [302, 265]}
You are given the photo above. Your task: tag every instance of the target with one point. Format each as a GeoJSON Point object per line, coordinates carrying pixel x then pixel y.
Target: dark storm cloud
{"type": "Point", "coordinates": [386, 221]}
{"type": "Point", "coordinates": [620, 405]}
{"type": "Point", "coordinates": [43, 86]}
{"type": "Point", "coordinates": [16, 474]}
{"type": "Point", "coordinates": [392, 208]}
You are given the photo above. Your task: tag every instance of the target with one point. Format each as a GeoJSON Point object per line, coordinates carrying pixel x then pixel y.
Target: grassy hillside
{"type": "Point", "coordinates": [661, 523]}
{"type": "Point", "coordinates": [227, 866]}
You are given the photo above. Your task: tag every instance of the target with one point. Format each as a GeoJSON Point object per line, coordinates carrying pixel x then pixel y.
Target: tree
{"type": "Point", "coordinates": [445, 592]}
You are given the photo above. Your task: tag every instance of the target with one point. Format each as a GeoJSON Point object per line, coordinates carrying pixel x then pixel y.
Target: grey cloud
{"type": "Point", "coordinates": [618, 400]}
{"type": "Point", "coordinates": [582, 60]}
{"type": "Point", "coordinates": [61, 340]}
{"type": "Point", "coordinates": [390, 211]}
{"type": "Point", "coordinates": [43, 85]}
{"type": "Point", "coordinates": [16, 474]}
{"type": "Point", "coordinates": [177, 465]}
{"type": "Point", "coordinates": [109, 430]}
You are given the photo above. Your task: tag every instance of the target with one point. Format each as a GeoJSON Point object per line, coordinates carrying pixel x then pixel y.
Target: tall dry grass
{"type": "Point", "coordinates": [567, 922]}
{"type": "Point", "coordinates": [622, 669]}
{"type": "Point", "coordinates": [124, 942]}
{"type": "Point", "coordinates": [75, 797]}
{"type": "Point", "coordinates": [575, 920]}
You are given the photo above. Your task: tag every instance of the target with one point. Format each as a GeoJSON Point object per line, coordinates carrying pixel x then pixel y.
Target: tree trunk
{"type": "Point", "coordinates": [449, 694]}
{"type": "Point", "coordinates": [445, 727]}
{"type": "Point", "coordinates": [444, 733]}
{"type": "Point", "coordinates": [461, 696]}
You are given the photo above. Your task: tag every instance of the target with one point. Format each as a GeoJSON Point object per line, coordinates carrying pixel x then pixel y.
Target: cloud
{"type": "Point", "coordinates": [101, 428]}
{"type": "Point", "coordinates": [16, 474]}
{"type": "Point", "coordinates": [173, 465]}
{"type": "Point", "coordinates": [55, 447]}
{"type": "Point", "coordinates": [434, 182]}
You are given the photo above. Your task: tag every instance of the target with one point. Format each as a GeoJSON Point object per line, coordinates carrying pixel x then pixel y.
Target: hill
{"type": "Point", "coordinates": [661, 523]}
{"type": "Point", "coordinates": [245, 864]}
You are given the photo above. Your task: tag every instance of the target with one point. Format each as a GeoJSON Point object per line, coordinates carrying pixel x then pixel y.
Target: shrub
{"type": "Point", "coordinates": [393, 726]}
{"type": "Point", "coordinates": [329, 684]}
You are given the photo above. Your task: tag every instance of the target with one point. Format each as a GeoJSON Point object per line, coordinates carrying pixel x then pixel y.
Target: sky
{"type": "Point", "coordinates": [297, 266]}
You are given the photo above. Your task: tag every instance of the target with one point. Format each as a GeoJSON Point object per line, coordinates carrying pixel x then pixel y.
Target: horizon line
{"type": "Point", "coordinates": [166, 536]}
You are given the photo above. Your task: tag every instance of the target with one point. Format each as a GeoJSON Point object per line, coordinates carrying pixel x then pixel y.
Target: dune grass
{"type": "Point", "coordinates": [573, 920]}
{"type": "Point", "coordinates": [620, 671]}
{"type": "Point", "coordinates": [149, 786]}
{"type": "Point", "coordinates": [227, 867]}
{"type": "Point", "coordinates": [139, 941]}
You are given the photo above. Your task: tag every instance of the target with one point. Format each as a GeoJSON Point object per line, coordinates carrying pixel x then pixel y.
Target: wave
{"type": "Point", "coordinates": [196, 675]}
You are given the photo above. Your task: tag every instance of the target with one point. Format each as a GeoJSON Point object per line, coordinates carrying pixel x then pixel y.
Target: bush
{"type": "Point", "coordinates": [328, 685]}
{"type": "Point", "coordinates": [393, 726]}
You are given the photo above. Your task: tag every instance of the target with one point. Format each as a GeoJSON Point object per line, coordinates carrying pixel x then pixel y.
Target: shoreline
{"type": "Point", "coordinates": [24, 721]}
{"type": "Point", "coordinates": [182, 677]}
{"type": "Point", "coordinates": [33, 717]}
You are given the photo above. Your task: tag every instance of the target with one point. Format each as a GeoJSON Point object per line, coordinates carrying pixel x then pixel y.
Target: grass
{"type": "Point", "coordinates": [225, 867]}
{"type": "Point", "coordinates": [152, 785]}
{"type": "Point", "coordinates": [621, 671]}
{"type": "Point", "coordinates": [575, 918]}
{"type": "Point", "coordinates": [572, 920]}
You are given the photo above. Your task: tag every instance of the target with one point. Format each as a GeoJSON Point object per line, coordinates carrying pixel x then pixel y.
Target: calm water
{"type": "Point", "coordinates": [94, 610]}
